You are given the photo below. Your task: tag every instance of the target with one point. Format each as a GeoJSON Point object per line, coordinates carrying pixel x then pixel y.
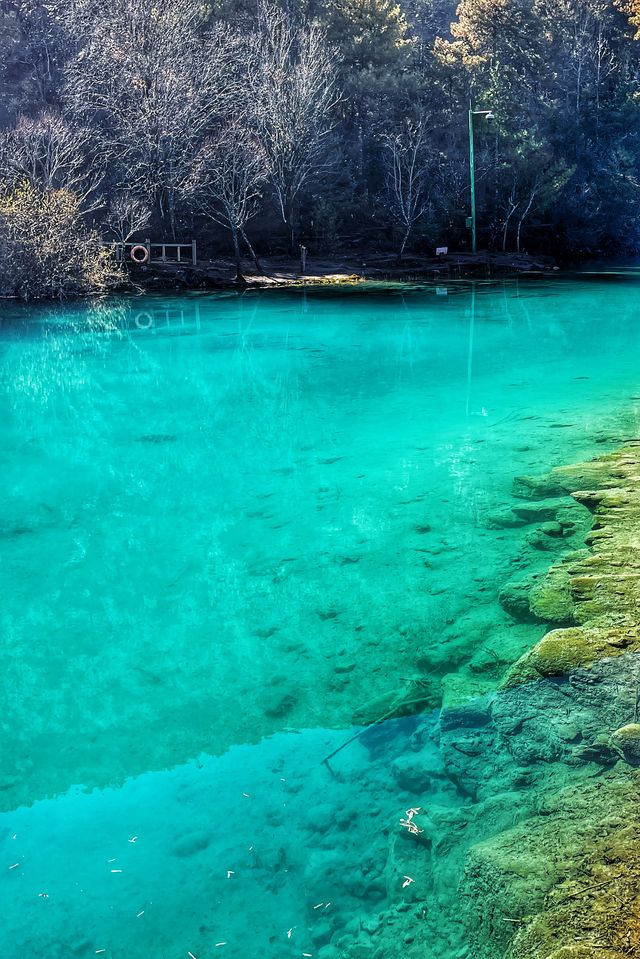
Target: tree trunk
{"type": "Point", "coordinates": [252, 253]}
{"type": "Point", "coordinates": [512, 209]}
{"type": "Point", "coordinates": [173, 224]}
{"type": "Point", "coordinates": [405, 240]}
{"type": "Point", "coordinates": [524, 216]}
{"type": "Point", "coordinates": [290, 222]}
{"type": "Point", "coordinates": [236, 253]}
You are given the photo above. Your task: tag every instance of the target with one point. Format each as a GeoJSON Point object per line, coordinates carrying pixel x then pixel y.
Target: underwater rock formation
{"type": "Point", "coordinates": [564, 881]}
{"type": "Point", "coordinates": [563, 884]}
{"type": "Point", "coordinates": [545, 767]}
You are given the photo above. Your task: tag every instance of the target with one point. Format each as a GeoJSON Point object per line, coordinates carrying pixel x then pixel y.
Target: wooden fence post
{"type": "Point", "coordinates": [193, 252]}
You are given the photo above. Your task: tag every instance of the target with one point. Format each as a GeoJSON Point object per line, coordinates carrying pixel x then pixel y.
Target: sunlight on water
{"type": "Point", "coordinates": [236, 531]}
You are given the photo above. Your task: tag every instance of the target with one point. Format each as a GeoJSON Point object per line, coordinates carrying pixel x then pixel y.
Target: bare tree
{"type": "Point", "coordinates": [156, 77]}
{"type": "Point", "coordinates": [407, 176]}
{"type": "Point", "coordinates": [228, 183]}
{"type": "Point", "coordinates": [536, 184]}
{"type": "Point", "coordinates": [44, 42]}
{"type": "Point", "coordinates": [292, 80]}
{"type": "Point", "coordinates": [127, 215]}
{"type": "Point", "coordinates": [50, 154]}
{"type": "Point", "coordinates": [510, 207]}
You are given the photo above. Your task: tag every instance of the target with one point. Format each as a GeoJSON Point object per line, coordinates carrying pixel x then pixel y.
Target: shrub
{"type": "Point", "coordinates": [46, 249]}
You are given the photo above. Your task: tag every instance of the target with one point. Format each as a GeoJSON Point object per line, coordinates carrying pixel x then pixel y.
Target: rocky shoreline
{"type": "Point", "coordinates": [344, 270]}
{"type": "Point", "coordinates": [548, 766]}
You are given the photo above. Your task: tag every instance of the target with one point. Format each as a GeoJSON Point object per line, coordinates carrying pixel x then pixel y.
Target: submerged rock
{"type": "Point", "coordinates": [565, 883]}
{"type": "Point", "coordinates": [547, 765]}
{"type": "Point", "coordinates": [563, 650]}
{"type": "Point", "coordinates": [627, 741]}
{"type": "Point", "coordinates": [515, 599]}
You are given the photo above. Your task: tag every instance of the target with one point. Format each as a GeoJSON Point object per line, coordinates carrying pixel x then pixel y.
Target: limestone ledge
{"type": "Point", "coordinates": [546, 769]}
{"type": "Point", "coordinates": [564, 884]}
{"type": "Point", "coordinates": [566, 881]}
{"type": "Point", "coordinates": [596, 589]}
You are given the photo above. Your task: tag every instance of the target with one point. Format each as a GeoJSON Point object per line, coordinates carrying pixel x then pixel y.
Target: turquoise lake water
{"type": "Point", "coordinates": [236, 529]}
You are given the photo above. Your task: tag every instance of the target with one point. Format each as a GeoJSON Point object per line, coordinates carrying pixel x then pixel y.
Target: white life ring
{"type": "Point", "coordinates": [144, 321]}
{"type": "Point", "coordinates": [136, 250]}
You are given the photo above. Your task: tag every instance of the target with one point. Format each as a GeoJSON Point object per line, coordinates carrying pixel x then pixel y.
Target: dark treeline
{"type": "Point", "coordinates": [342, 124]}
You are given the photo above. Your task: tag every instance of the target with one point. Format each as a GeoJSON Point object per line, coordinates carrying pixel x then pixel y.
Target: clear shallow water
{"type": "Point", "coordinates": [236, 528]}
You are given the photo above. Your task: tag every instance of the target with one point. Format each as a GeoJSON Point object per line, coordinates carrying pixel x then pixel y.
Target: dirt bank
{"type": "Point", "coordinates": [283, 271]}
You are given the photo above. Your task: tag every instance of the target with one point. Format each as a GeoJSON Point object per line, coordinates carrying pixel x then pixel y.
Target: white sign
{"type": "Point", "coordinates": [442, 250]}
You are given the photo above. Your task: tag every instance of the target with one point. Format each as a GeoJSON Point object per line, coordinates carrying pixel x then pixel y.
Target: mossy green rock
{"type": "Point", "coordinates": [564, 882]}
{"type": "Point", "coordinates": [597, 590]}
{"type": "Point", "coordinates": [565, 885]}
{"type": "Point", "coordinates": [627, 741]}
{"type": "Point", "coordinates": [551, 599]}
{"type": "Point", "coordinates": [562, 650]}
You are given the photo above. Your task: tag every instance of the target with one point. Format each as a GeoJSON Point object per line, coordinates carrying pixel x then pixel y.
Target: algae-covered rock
{"type": "Point", "coordinates": [417, 772]}
{"type": "Point", "coordinates": [561, 884]}
{"type": "Point", "coordinates": [546, 599]}
{"type": "Point", "coordinates": [515, 599]}
{"type": "Point", "coordinates": [583, 952]}
{"type": "Point", "coordinates": [551, 599]}
{"type": "Point", "coordinates": [465, 690]}
{"type": "Point", "coordinates": [627, 741]}
{"type": "Point", "coordinates": [563, 650]}
{"type": "Point", "coordinates": [538, 487]}
{"type": "Point", "coordinates": [549, 536]}
{"type": "Point", "coordinates": [616, 469]}
{"type": "Point", "coordinates": [523, 514]}
{"type": "Point", "coordinates": [599, 751]}
{"type": "Point", "coordinates": [504, 519]}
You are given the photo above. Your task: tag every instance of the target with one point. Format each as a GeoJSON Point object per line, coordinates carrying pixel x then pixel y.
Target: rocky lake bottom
{"type": "Point", "coordinates": [319, 622]}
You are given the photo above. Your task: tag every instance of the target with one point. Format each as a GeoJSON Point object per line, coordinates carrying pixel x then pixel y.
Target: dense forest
{"type": "Point", "coordinates": [340, 124]}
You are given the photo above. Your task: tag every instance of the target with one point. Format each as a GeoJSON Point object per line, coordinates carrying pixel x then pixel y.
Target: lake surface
{"type": "Point", "coordinates": [236, 530]}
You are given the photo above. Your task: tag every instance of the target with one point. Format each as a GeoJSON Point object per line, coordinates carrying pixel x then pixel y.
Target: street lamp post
{"type": "Point", "coordinates": [488, 114]}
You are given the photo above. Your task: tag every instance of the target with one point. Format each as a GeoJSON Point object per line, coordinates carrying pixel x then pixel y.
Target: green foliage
{"type": "Point", "coordinates": [370, 33]}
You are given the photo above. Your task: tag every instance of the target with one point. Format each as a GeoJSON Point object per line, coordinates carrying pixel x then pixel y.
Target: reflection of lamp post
{"type": "Point", "coordinates": [489, 116]}
{"type": "Point", "coordinates": [472, 323]}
